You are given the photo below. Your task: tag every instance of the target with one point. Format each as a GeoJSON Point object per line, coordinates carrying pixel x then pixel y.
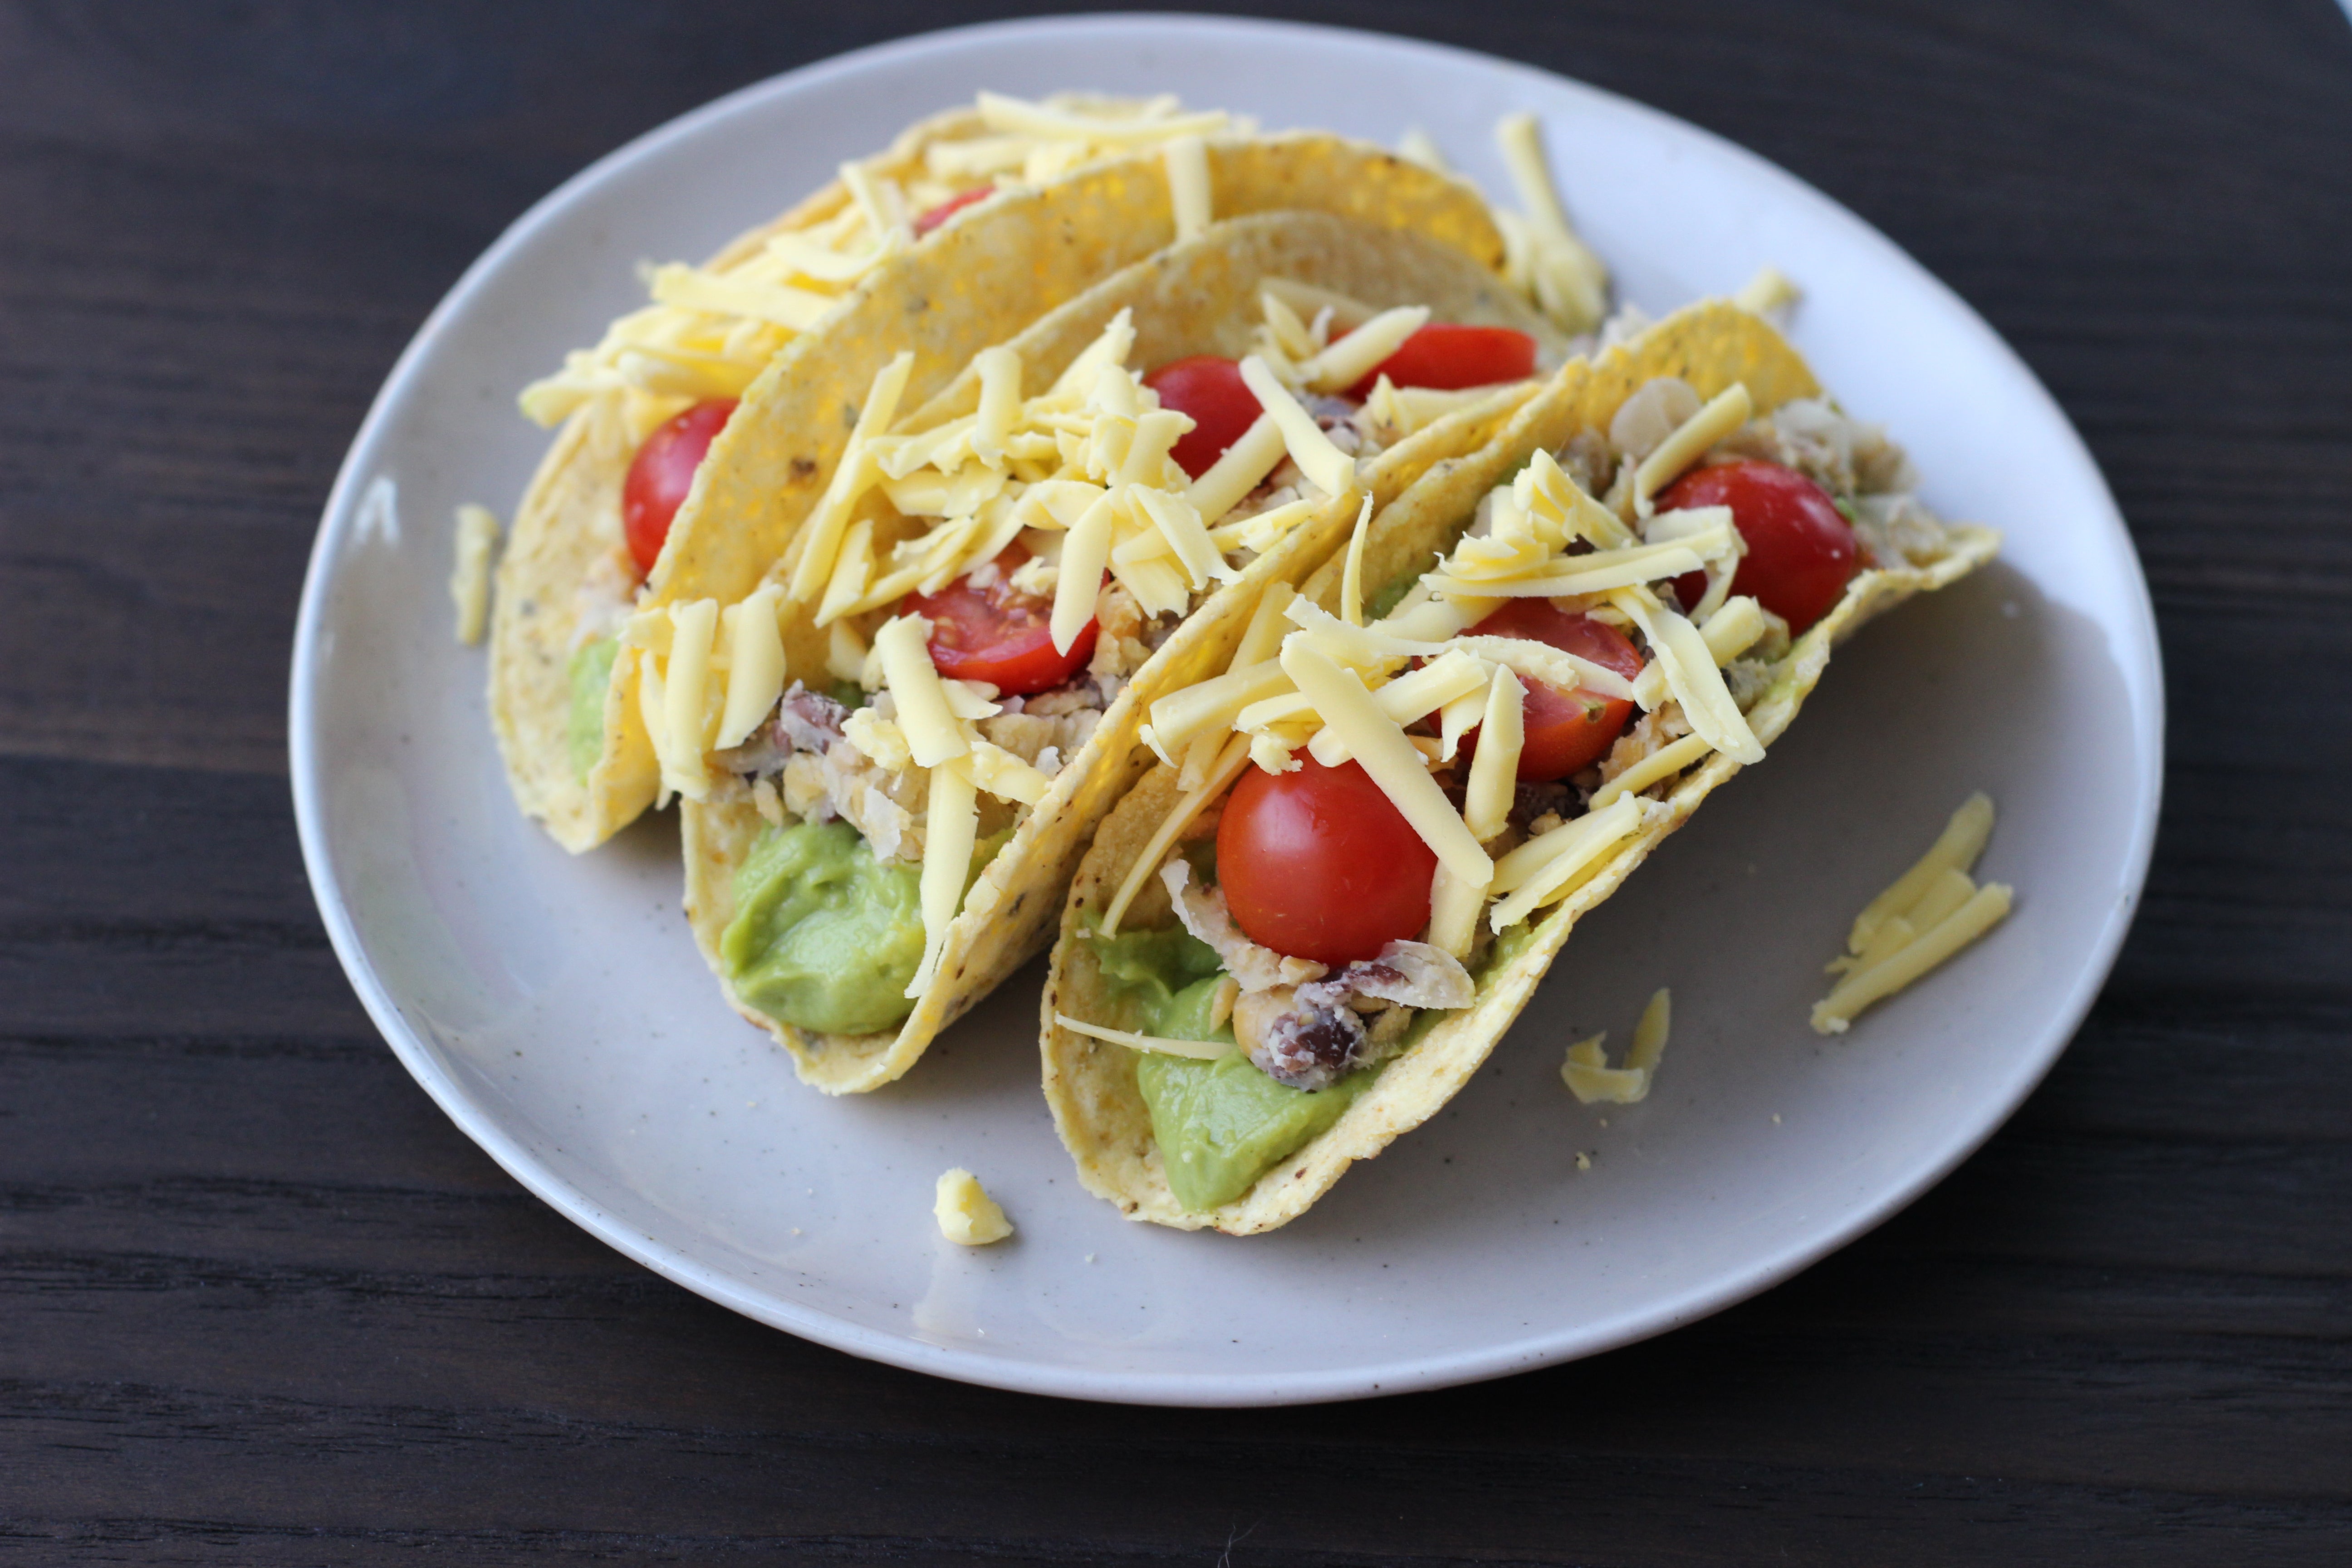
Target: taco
{"type": "Point", "coordinates": [1404, 793]}
{"type": "Point", "coordinates": [935, 694]}
{"type": "Point", "coordinates": [1020, 207]}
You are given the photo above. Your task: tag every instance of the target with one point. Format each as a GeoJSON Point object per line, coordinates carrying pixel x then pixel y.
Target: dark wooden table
{"type": "Point", "coordinates": [259, 1303]}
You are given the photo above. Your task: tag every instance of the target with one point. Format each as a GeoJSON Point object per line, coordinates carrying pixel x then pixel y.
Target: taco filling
{"type": "Point", "coordinates": [1048, 543]}
{"type": "Point", "coordinates": [1373, 809]}
{"type": "Point", "coordinates": [642, 408]}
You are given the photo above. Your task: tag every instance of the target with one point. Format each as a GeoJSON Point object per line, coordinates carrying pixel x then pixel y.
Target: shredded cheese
{"type": "Point", "coordinates": [1554, 860]}
{"type": "Point", "coordinates": [1985, 908]}
{"type": "Point", "coordinates": [1048, 121]}
{"type": "Point", "coordinates": [1416, 146]}
{"type": "Point", "coordinates": [1733, 630]}
{"type": "Point", "coordinates": [853, 574]}
{"type": "Point", "coordinates": [1724, 412]}
{"type": "Point", "coordinates": [1770, 293]}
{"type": "Point", "coordinates": [1361, 351]}
{"type": "Point", "coordinates": [999, 369]}
{"type": "Point", "coordinates": [1409, 409]}
{"type": "Point", "coordinates": [967, 1214]}
{"type": "Point", "coordinates": [1450, 678]}
{"type": "Point", "coordinates": [950, 829]}
{"type": "Point", "coordinates": [1662, 764]}
{"type": "Point", "coordinates": [1453, 906]}
{"type": "Point", "coordinates": [1555, 268]}
{"type": "Point", "coordinates": [711, 331]}
{"type": "Point", "coordinates": [851, 479]}
{"type": "Point", "coordinates": [1262, 639]}
{"type": "Point", "coordinates": [1351, 580]}
{"type": "Point", "coordinates": [469, 579]}
{"type": "Point", "coordinates": [1192, 710]}
{"type": "Point", "coordinates": [1222, 774]}
{"type": "Point", "coordinates": [1379, 644]}
{"type": "Point", "coordinates": [1187, 158]}
{"type": "Point", "coordinates": [1005, 775]}
{"type": "Point", "coordinates": [686, 687]}
{"type": "Point", "coordinates": [1376, 742]}
{"type": "Point", "coordinates": [1307, 299]}
{"type": "Point", "coordinates": [1239, 470]}
{"type": "Point", "coordinates": [1198, 1050]}
{"type": "Point", "coordinates": [845, 652]}
{"type": "Point", "coordinates": [1594, 573]}
{"type": "Point", "coordinates": [932, 733]}
{"type": "Point", "coordinates": [1692, 675]}
{"type": "Point", "coordinates": [1594, 1082]}
{"type": "Point", "coordinates": [1495, 771]}
{"type": "Point", "coordinates": [1650, 1033]}
{"type": "Point", "coordinates": [1085, 553]}
{"type": "Point", "coordinates": [755, 665]}
{"type": "Point", "coordinates": [1926, 916]}
{"type": "Point", "coordinates": [1957, 847]}
{"type": "Point", "coordinates": [780, 304]}
{"type": "Point", "coordinates": [1326, 467]}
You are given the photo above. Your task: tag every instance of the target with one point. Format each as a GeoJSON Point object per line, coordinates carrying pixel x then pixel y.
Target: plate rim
{"type": "Point", "coordinates": [340, 518]}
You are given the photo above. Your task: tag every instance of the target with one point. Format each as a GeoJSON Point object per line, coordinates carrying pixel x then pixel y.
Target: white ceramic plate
{"type": "Point", "coordinates": [556, 1008]}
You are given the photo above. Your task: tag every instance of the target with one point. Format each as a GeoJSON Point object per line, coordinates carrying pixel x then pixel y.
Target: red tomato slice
{"type": "Point", "coordinates": [1449, 358]}
{"type": "Point", "coordinates": [998, 634]}
{"type": "Point", "coordinates": [1320, 864]}
{"type": "Point", "coordinates": [1222, 407]}
{"type": "Point", "coordinates": [1800, 551]}
{"type": "Point", "coordinates": [662, 472]}
{"type": "Point", "coordinates": [948, 208]}
{"type": "Point", "coordinates": [1565, 732]}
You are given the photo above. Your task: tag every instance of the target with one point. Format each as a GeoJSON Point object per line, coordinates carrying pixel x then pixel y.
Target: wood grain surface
{"type": "Point", "coordinates": [260, 1303]}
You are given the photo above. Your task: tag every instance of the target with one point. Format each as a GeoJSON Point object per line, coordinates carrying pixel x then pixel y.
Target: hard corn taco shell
{"type": "Point", "coordinates": [568, 527]}
{"type": "Point", "coordinates": [975, 281]}
{"type": "Point", "coordinates": [1198, 296]}
{"type": "Point", "coordinates": [1091, 1085]}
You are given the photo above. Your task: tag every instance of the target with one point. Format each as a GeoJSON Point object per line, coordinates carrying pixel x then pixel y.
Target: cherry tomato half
{"type": "Point", "coordinates": [662, 472]}
{"type": "Point", "coordinates": [1222, 407]}
{"type": "Point", "coordinates": [998, 634]}
{"type": "Point", "coordinates": [1318, 864]}
{"type": "Point", "coordinates": [948, 208]}
{"type": "Point", "coordinates": [1565, 732]}
{"type": "Point", "coordinates": [1449, 358]}
{"type": "Point", "coordinates": [1800, 552]}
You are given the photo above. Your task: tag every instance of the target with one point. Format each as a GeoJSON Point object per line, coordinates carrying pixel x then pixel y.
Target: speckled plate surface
{"type": "Point", "coordinates": [556, 1008]}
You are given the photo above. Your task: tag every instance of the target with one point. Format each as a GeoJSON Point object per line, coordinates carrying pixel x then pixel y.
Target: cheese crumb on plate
{"type": "Point", "coordinates": [967, 1214]}
{"type": "Point", "coordinates": [1592, 1080]}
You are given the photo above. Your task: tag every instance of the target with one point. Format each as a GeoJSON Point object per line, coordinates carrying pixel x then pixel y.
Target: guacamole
{"type": "Point", "coordinates": [825, 937]}
{"type": "Point", "coordinates": [1508, 944]}
{"type": "Point", "coordinates": [590, 672]}
{"type": "Point", "coordinates": [1220, 1124]}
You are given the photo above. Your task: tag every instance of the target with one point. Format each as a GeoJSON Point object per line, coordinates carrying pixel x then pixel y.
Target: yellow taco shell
{"type": "Point", "coordinates": [1197, 297]}
{"type": "Point", "coordinates": [976, 281]}
{"type": "Point", "coordinates": [567, 529]}
{"type": "Point", "coordinates": [1090, 1085]}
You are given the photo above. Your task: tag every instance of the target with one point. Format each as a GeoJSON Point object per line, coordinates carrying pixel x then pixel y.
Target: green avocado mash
{"type": "Point", "coordinates": [1508, 944]}
{"type": "Point", "coordinates": [1153, 967]}
{"type": "Point", "coordinates": [1388, 598]}
{"type": "Point", "coordinates": [590, 672]}
{"type": "Point", "coordinates": [1220, 1124]}
{"type": "Point", "coordinates": [825, 936]}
